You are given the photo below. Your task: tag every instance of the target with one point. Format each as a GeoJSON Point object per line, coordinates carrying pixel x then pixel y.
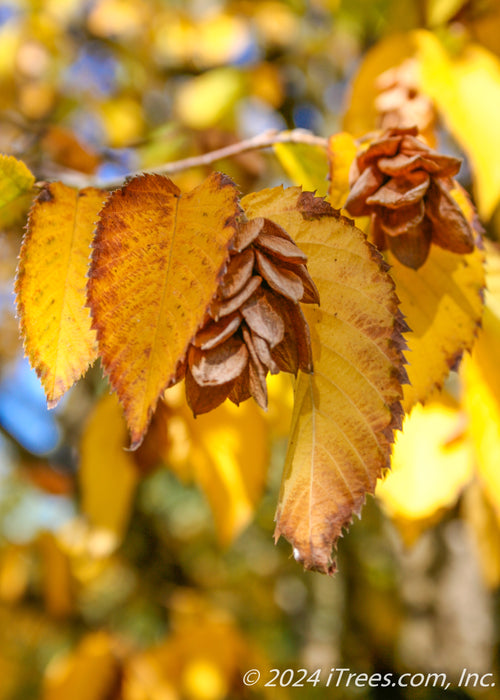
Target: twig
{"type": "Point", "coordinates": [265, 140]}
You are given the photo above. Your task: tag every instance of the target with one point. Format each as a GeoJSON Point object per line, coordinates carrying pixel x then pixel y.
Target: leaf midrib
{"type": "Point", "coordinates": [145, 402]}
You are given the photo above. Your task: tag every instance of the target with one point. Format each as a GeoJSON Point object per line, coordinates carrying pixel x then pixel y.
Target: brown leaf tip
{"type": "Point", "coordinates": [312, 207]}
{"type": "Point", "coordinates": [254, 325]}
{"type": "Point", "coordinates": [406, 187]}
{"type": "Point", "coordinates": [45, 195]}
{"type": "Point", "coordinates": [328, 568]}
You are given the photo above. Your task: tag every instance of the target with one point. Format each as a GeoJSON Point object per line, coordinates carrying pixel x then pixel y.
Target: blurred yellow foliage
{"type": "Point", "coordinates": [99, 603]}
{"type": "Point", "coordinates": [90, 672]}
{"type": "Point", "coordinates": [431, 462]}
{"type": "Point", "coordinates": [306, 166]}
{"type": "Point", "coordinates": [225, 452]}
{"type": "Point", "coordinates": [206, 100]}
{"type": "Point", "coordinates": [482, 387]}
{"type": "Point", "coordinates": [14, 573]}
{"type": "Point", "coordinates": [56, 576]}
{"type": "Point", "coordinates": [110, 18]}
{"type": "Point", "coordinates": [361, 115]}
{"type": "Point", "coordinates": [200, 659]}
{"type": "Point", "coordinates": [466, 90]}
{"type": "Point", "coordinates": [106, 467]}
{"type": "Point", "coordinates": [123, 120]}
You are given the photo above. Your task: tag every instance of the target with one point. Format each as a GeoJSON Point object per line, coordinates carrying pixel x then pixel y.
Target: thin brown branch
{"type": "Point", "coordinates": [265, 140]}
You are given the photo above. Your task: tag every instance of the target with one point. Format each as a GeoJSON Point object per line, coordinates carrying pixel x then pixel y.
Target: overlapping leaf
{"type": "Point", "coordinates": [158, 256]}
{"type": "Point", "coordinates": [346, 411]}
{"type": "Point", "coordinates": [466, 90]}
{"type": "Point", "coordinates": [306, 165]}
{"type": "Point", "coordinates": [15, 180]}
{"type": "Point", "coordinates": [51, 282]}
{"type": "Point", "coordinates": [342, 150]}
{"type": "Point", "coordinates": [482, 386]}
{"type": "Point", "coordinates": [442, 303]}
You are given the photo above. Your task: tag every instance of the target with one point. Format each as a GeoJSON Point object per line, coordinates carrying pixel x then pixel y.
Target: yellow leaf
{"type": "Point", "coordinates": [123, 120]}
{"type": "Point", "coordinates": [492, 293]}
{"type": "Point", "coordinates": [158, 255]}
{"type": "Point", "coordinates": [466, 90]}
{"type": "Point", "coordinates": [305, 165]}
{"type": "Point", "coordinates": [205, 100]}
{"type": "Point", "coordinates": [484, 523]}
{"type": "Point", "coordinates": [108, 475]}
{"type": "Point", "coordinates": [14, 574]}
{"type": "Point", "coordinates": [441, 11]}
{"type": "Point", "coordinates": [345, 412]}
{"type": "Point", "coordinates": [58, 585]}
{"type": "Point", "coordinates": [202, 659]}
{"type": "Point", "coordinates": [431, 463]}
{"type": "Point", "coordinates": [482, 387]}
{"type": "Point", "coordinates": [218, 39]}
{"type": "Point", "coordinates": [279, 412]}
{"type": "Point", "coordinates": [342, 150]}
{"type": "Point", "coordinates": [51, 286]}
{"type": "Point", "coordinates": [442, 304]}
{"type": "Point", "coordinates": [225, 452]}
{"type": "Point", "coordinates": [361, 115]}
{"type": "Point", "coordinates": [15, 179]}
{"type": "Point", "coordinates": [90, 672]}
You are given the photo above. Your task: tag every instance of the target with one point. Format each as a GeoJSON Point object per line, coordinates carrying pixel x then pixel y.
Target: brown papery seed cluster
{"type": "Point", "coordinates": [400, 102]}
{"type": "Point", "coordinates": [255, 324]}
{"type": "Point", "coordinates": [406, 188]}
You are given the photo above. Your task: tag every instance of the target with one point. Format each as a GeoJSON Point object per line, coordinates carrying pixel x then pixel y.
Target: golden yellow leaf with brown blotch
{"type": "Point", "coordinates": [157, 261]}
{"type": "Point", "coordinates": [51, 286]}
{"type": "Point", "coordinates": [345, 413]}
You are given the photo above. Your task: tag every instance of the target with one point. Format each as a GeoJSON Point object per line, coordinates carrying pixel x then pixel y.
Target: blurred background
{"type": "Point", "coordinates": [153, 575]}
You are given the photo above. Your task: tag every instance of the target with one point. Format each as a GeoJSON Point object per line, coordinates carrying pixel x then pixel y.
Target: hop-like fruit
{"type": "Point", "coordinates": [255, 324]}
{"type": "Point", "coordinates": [406, 188]}
{"type": "Point", "coordinates": [400, 103]}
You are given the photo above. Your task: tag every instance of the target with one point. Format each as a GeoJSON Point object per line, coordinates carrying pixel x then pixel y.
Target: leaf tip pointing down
{"type": "Point", "coordinates": [50, 286]}
{"type": "Point", "coordinates": [345, 413]}
{"type": "Point", "coordinates": [158, 256]}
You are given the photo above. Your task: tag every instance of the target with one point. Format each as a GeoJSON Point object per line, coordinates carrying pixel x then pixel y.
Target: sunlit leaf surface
{"type": "Point", "coordinates": [158, 255]}
{"type": "Point", "coordinates": [51, 286]}
{"type": "Point", "coordinates": [345, 412]}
